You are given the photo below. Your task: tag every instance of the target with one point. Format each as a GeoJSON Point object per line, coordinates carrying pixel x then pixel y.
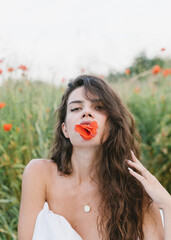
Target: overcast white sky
{"type": "Point", "coordinates": [56, 38]}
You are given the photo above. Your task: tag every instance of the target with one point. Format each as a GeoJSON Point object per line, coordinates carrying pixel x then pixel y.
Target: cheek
{"type": "Point", "coordinates": [70, 125]}
{"type": "Point", "coordinates": [103, 122]}
{"type": "Point", "coordinates": [105, 131]}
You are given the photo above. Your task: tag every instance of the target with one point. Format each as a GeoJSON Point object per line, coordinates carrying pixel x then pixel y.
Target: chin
{"type": "Point", "coordinates": [82, 142]}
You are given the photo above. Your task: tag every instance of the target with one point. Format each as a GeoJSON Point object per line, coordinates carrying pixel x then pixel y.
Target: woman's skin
{"type": "Point", "coordinates": [82, 161]}
{"type": "Point", "coordinates": [84, 152]}
{"type": "Point", "coordinates": [156, 191]}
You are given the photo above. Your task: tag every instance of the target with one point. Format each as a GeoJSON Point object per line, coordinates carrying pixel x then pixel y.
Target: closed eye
{"type": "Point", "coordinates": [96, 107]}
{"type": "Point", "coordinates": [100, 107]}
{"type": "Point", "coordinates": [74, 109]}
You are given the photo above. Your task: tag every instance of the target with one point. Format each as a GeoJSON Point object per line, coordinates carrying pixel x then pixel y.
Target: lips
{"type": "Point", "coordinates": [87, 129]}
{"type": "Point", "coordinates": [85, 122]}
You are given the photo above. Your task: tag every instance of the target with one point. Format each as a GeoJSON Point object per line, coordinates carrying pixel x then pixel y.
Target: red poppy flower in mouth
{"type": "Point", "coordinates": [87, 131]}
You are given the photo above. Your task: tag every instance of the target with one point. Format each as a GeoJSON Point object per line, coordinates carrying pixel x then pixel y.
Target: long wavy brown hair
{"type": "Point", "coordinates": [123, 198]}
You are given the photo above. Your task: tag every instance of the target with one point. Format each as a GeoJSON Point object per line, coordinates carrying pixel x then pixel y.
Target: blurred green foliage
{"type": "Point", "coordinates": [30, 108]}
{"type": "Point", "coordinates": [143, 63]}
{"type": "Point", "coordinates": [140, 64]}
{"type": "Point", "coordinates": [153, 118]}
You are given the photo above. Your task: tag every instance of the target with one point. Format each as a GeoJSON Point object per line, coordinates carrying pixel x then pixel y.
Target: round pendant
{"type": "Point", "coordinates": [87, 208]}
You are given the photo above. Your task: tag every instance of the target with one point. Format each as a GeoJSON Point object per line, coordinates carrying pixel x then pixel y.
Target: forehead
{"type": "Point", "coordinates": [78, 94]}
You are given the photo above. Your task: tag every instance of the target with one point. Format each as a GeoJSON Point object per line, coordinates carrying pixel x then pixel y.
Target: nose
{"type": "Point", "coordinates": [87, 113]}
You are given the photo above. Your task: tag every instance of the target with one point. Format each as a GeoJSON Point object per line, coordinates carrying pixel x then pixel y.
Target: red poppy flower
{"type": "Point", "coordinates": [163, 49]}
{"type": "Point", "coordinates": [165, 72]}
{"type": "Point", "coordinates": [127, 71]}
{"type": "Point", "coordinates": [101, 76]}
{"type": "Point", "coordinates": [82, 70]}
{"type": "Point", "coordinates": [137, 89]}
{"type": "Point", "coordinates": [23, 67]}
{"type": "Point", "coordinates": [87, 131]}
{"type": "Point", "coordinates": [156, 69]}
{"type": "Point", "coordinates": [1, 71]}
{"type": "Point", "coordinates": [169, 70]}
{"type": "Point", "coordinates": [10, 69]}
{"type": "Point", "coordinates": [2, 105]}
{"type": "Point", "coordinates": [7, 127]}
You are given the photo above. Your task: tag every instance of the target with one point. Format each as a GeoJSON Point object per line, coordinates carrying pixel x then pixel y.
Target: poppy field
{"type": "Point", "coordinates": [27, 119]}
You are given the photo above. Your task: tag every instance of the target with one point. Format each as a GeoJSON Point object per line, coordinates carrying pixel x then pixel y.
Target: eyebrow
{"type": "Point", "coordinates": [79, 101]}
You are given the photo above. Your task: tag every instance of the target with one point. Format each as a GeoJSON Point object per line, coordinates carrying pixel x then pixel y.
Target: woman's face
{"type": "Point", "coordinates": [80, 109]}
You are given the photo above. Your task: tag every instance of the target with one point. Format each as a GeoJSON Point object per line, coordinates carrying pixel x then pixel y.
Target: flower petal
{"type": "Point", "coordinates": [87, 131]}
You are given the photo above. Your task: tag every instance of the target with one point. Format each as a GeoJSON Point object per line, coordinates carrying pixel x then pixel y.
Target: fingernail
{"type": "Point", "coordinates": [132, 153]}
{"type": "Point", "coordinates": [129, 161]}
{"type": "Point", "coordinates": [130, 169]}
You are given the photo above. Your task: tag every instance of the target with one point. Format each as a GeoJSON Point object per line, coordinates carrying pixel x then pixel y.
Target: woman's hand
{"type": "Point", "coordinates": [152, 186]}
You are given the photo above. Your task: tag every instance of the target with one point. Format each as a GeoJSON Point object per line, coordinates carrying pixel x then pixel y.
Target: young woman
{"type": "Point", "coordinates": [93, 186]}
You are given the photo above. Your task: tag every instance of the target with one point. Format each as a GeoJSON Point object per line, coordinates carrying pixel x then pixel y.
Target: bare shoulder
{"type": "Point", "coordinates": [33, 196]}
{"type": "Point", "coordinates": [43, 166]}
{"type": "Point", "coordinates": [44, 170]}
{"type": "Point", "coordinates": [152, 224]}
{"type": "Point", "coordinates": [39, 163]}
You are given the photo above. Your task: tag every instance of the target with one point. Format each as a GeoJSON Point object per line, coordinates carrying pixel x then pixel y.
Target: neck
{"type": "Point", "coordinates": [83, 162]}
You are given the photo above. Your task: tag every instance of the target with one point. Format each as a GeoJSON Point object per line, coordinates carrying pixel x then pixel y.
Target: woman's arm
{"type": "Point", "coordinates": [32, 198]}
{"type": "Point", "coordinates": [152, 223]}
{"type": "Point", "coordinates": [157, 192]}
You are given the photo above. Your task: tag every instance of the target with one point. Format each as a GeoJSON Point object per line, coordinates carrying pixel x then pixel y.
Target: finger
{"type": "Point", "coordinates": [134, 157]}
{"type": "Point", "coordinates": [142, 170]}
{"type": "Point", "coordinates": [134, 165]}
{"type": "Point", "coordinates": [138, 166]}
{"type": "Point", "coordinates": [137, 176]}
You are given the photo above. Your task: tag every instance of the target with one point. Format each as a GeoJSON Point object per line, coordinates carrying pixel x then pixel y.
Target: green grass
{"type": "Point", "coordinates": [30, 108]}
